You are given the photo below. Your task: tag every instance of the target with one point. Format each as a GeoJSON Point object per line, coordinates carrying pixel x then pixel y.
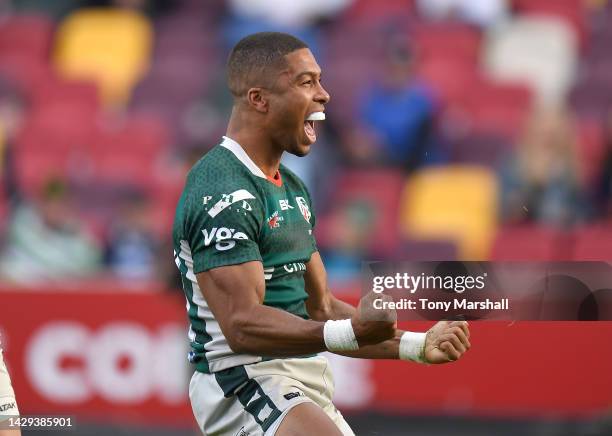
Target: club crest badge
{"type": "Point", "coordinates": [303, 208]}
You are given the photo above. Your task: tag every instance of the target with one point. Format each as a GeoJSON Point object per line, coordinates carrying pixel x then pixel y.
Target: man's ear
{"type": "Point", "coordinates": [257, 99]}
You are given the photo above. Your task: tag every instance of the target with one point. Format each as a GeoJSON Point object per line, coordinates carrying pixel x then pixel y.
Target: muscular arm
{"type": "Point", "coordinates": [322, 306]}
{"type": "Point", "coordinates": [235, 295]}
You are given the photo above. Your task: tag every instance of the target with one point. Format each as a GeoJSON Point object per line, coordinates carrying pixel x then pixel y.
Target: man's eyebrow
{"type": "Point", "coordinates": [308, 73]}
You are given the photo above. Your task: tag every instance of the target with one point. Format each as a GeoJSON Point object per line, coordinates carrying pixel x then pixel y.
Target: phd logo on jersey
{"type": "Point", "coordinates": [301, 201]}
{"type": "Point", "coordinates": [227, 200]}
{"type": "Point", "coordinates": [225, 238]}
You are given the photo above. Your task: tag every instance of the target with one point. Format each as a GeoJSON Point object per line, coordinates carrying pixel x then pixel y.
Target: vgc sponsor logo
{"type": "Point", "coordinates": [224, 238]}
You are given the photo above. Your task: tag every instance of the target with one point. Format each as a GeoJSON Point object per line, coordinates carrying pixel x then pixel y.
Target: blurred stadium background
{"type": "Point", "coordinates": [457, 129]}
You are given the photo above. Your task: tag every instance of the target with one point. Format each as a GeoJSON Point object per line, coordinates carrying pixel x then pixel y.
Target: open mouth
{"type": "Point", "coordinates": [309, 125]}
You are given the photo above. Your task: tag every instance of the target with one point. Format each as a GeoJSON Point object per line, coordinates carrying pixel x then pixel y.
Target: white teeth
{"type": "Point", "coordinates": [316, 116]}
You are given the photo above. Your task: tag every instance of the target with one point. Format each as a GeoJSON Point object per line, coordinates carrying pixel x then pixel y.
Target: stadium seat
{"type": "Point", "coordinates": [35, 168]}
{"type": "Point", "coordinates": [52, 90]}
{"type": "Point", "coordinates": [375, 12]}
{"type": "Point", "coordinates": [24, 72]}
{"type": "Point", "coordinates": [450, 42]}
{"type": "Point", "coordinates": [25, 42]}
{"type": "Point", "coordinates": [449, 87]}
{"type": "Point", "coordinates": [172, 80]}
{"type": "Point", "coordinates": [59, 121]}
{"type": "Point", "coordinates": [456, 203]}
{"type": "Point", "coordinates": [593, 243]}
{"type": "Point", "coordinates": [538, 51]}
{"type": "Point", "coordinates": [27, 36]}
{"type": "Point", "coordinates": [66, 141]}
{"type": "Point", "coordinates": [110, 46]}
{"type": "Point", "coordinates": [128, 151]}
{"type": "Point", "coordinates": [55, 142]}
{"type": "Point", "coordinates": [500, 108]}
{"type": "Point", "coordinates": [483, 110]}
{"type": "Point", "coordinates": [530, 243]}
{"type": "Point", "coordinates": [138, 135]}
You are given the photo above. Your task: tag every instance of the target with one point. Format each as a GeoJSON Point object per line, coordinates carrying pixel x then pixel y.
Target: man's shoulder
{"type": "Point", "coordinates": [217, 160]}
{"type": "Point", "coordinates": [217, 172]}
{"type": "Point", "coordinates": [218, 182]}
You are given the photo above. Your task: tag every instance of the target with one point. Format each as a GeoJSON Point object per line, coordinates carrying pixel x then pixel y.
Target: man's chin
{"type": "Point", "coordinates": [300, 150]}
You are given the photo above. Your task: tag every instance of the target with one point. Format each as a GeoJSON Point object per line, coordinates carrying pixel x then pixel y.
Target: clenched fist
{"type": "Point", "coordinates": [446, 341]}
{"type": "Point", "coordinates": [372, 326]}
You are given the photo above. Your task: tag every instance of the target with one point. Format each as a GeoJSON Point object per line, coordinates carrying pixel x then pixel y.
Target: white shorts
{"type": "Point", "coordinates": [8, 405]}
{"type": "Point", "coordinates": [252, 400]}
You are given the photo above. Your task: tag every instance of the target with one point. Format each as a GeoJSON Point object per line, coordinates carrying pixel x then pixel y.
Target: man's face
{"type": "Point", "coordinates": [297, 94]}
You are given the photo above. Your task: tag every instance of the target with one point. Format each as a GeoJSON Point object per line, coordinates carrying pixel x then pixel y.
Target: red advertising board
{"type": "Point", "coordinates": [122, 357]}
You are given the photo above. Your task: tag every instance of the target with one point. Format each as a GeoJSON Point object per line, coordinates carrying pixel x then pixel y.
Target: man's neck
{"type": "Point", "coordinates": [256, 145]}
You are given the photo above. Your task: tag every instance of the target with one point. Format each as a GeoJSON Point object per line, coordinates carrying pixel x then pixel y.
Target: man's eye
{"type": "Point", "coordinates": [308, 82]}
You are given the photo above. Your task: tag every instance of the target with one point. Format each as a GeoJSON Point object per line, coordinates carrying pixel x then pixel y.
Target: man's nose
{"type": "Point", "coordinates": [322, 95]}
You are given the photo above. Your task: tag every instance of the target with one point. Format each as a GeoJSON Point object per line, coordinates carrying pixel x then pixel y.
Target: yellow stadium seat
{"type": "Point", "coordinates": [456, 203]}
{"type": "Point", "coordinates": [110, 46]}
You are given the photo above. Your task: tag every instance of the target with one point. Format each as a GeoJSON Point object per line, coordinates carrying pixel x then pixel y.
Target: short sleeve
{"type": "Point", "coordinates": [223, 228]}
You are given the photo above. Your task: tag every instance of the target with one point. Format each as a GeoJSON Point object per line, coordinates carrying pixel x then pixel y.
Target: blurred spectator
{"type": "Point", "coordinates": [541, 182]}
{"type": "Point", "coordinates": [396, 114]}
{"type": "Point", "coordinates": [46, 242]}
{"type": "Point", "coordinates": [132, 246]}
{"type": "Point", "coordinates": [479, 12]}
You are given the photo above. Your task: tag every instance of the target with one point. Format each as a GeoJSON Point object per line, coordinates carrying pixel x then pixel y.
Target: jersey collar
{"type": "Point", "coordinates": [241, 155]}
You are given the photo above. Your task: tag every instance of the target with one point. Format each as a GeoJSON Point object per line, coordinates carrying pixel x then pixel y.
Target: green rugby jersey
{"type": "Point", "coordinates": [231, 213]}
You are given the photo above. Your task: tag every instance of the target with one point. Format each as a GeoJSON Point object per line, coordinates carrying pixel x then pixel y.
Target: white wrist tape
{"type": "Point", "coordinates": [412, 347]}
{"type": "Point", "coordinates": [339, 335]}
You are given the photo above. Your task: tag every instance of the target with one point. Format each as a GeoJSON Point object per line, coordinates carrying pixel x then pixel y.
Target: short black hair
{"type": "Point", "coordinates": [255, 56]}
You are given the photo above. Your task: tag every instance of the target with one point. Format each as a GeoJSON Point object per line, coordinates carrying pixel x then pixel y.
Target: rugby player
{"type": "Point", "coordinates": [8, 405]}
{"type": "Point", "coordinates": [258, 303]}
